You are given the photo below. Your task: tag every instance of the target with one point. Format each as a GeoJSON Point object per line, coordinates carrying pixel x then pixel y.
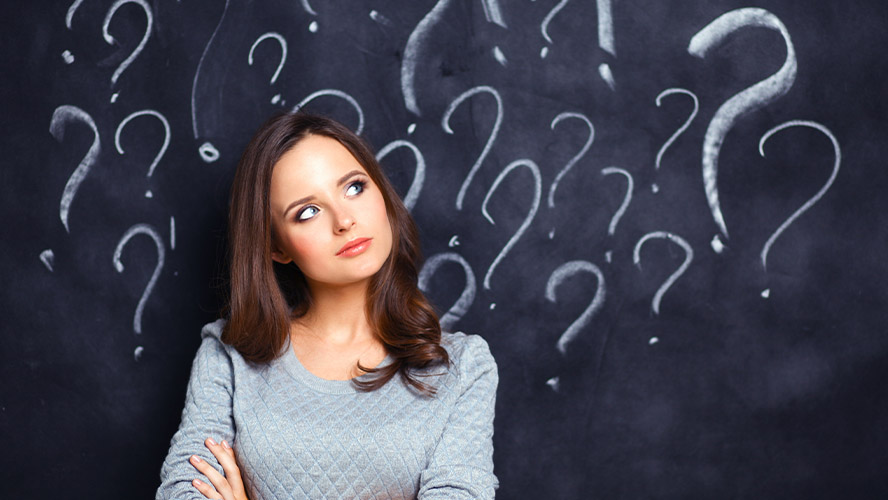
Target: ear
{"type": "Point", "coordinates": [278, 256]}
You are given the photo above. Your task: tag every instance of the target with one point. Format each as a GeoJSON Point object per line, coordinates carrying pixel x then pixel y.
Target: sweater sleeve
{"type": "Point", "coordinates": [207, 413]}
{"type": "Point", "coordinates": [462, 463]}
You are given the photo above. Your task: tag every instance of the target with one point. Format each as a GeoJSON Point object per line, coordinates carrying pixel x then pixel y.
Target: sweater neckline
{"type": "Point", "coordinates": [300, 372]}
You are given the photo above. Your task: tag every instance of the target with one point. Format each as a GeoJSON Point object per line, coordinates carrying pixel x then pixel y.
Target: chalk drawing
{"type": "Point", "coordinates": [576, 157]}
{"type": "Point", "coordinates": [445, 124]}
{"type": "Point", "coordinates": [535, 204]}
{"type": "Point", "coordinates": [689, 257]}
{"type": "Point", "coordinates": [161, 256]}
{"type": "Point", "coordinates": [556, 278]}
{"type": "Point", "coordinates": [60, 118]}
{"type": "Point", "coordinates": [755, 97]}
{"type": "Point", "coordinates": [627, 198]}
{"type": "Point", "coordinates": [336, 93]}
{"type": "Point", "coordinates": [111, 41]}
{"type": "Point", "coordinates": [166, 138]}
{"type": "Point", "coordinates": [418, 175]}
{"type": "Point", "coordinates": [283, 43]}
{"type": "Point", "coordinates": [466, 298]}
{"type": "Point", "coordinates": [814, 199]}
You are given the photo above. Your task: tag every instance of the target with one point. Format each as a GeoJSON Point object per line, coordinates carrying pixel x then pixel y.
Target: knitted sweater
{"type": "Point", "coordinates": [299, 436]}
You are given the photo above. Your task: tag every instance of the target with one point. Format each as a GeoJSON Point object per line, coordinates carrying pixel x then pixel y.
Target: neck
{"type": "Point", "coordinates": [338, 315]}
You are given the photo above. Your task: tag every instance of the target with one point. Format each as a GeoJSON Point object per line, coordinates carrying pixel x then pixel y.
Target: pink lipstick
{"type": "Point", "coordinates": [354, 247]}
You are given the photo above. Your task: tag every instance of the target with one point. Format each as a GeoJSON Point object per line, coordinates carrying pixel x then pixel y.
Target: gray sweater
{"type": "Point", "coordinates": [299, 436]}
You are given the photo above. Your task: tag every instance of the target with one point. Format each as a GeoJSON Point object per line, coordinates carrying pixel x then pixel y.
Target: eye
{"type": "Point", "coordinates": [355, 188]}
{"type": "Point", "coordinates": [307, 213]}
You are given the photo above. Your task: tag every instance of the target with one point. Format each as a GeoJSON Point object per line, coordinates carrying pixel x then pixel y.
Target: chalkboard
{"type": "Point", "coordinates": [667, 218]}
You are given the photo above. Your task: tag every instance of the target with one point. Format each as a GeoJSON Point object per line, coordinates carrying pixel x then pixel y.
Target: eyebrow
{"type": "Point", "coordinates": [342, 180]}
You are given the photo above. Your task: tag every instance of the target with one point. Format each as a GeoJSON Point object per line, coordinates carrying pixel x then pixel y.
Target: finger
{"type": "Point", "coordinates": [205, 489]}
{"type": "Point", "coordinates": [228, 448]}
{"type": "Point", "coordinates": [218, 480]}
{"type": "Point", "coordinates": [225, 455]}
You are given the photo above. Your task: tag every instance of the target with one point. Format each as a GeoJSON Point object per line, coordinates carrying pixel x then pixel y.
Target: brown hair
{"type": "Point", "coordinates": [265, 296]}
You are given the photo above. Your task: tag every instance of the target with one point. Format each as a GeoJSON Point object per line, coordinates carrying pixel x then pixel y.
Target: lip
{"type": "Point", "coordinates": [354, 247]}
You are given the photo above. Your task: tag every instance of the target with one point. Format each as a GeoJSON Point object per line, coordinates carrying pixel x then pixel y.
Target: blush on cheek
{"type": "Point", "coordinates": [302, 249]}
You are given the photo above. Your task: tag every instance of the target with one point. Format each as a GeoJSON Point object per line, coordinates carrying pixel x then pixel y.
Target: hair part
{"type": "Point", "coordinates": [265, 296]}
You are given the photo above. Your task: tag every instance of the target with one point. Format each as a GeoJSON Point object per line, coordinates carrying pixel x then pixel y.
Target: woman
{"type": "Point", "coordinates": [331, 377]}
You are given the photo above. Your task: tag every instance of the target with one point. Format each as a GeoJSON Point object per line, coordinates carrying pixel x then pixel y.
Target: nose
{"type": "Point", "coordinates": [343, 221]}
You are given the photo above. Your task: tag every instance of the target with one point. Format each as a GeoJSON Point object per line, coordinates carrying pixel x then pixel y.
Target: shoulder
{"type": "Point", "coordinates": [469, 353]}
{"type": "Point", "coordinates": [460, 344]}
{"type": "Point", "coordinates": [212, 349]}
{"type": "Point", "coordinates": [213, 329]}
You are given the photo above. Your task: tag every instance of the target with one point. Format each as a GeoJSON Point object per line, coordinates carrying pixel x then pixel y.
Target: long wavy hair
{"type": "Point", "coordinates": [265, 296]}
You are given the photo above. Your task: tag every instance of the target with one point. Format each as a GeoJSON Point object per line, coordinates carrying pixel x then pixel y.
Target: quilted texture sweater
{"type": "Point", "coordinates": [299, 436]}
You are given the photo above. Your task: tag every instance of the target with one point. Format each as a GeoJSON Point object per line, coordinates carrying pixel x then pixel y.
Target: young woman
{"type": "Point", "coordinates": [331, 377]}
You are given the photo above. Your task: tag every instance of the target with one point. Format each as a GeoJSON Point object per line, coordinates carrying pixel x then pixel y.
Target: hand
{"type": "Point", "coordinates": [227, 487]}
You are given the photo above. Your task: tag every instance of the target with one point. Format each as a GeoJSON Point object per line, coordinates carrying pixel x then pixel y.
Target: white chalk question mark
{"type": "Point", "coordinates": [336, 93]}
{"type": "Point", "coordinates": [412, 54]}
{"type": "Point", "coordinates": [814, 199]}
{"type": "Point", "coordinates": [466, 298]}
{"type": "Point", "coordinates": [283, 43]}
{"type": "Point", "coordinates": [555, 279]}
{"type": "Point", "coordinates": [684, 126]}
{"type": "Point", "coordinates": [161, 256]}
{"type": "Point", "coordinates": [313, 27]}
{"type": "Point", "coordinates": [69, 17]}
{"type": "Point", "coordinates": [445, 124]}
{"type": "Point", "coordinates": [689, 257]}
{"type": "Point", "coordinates": [576, 157]}
{"type": "Point", "coordinates": [60, 117]}
{"type": "Point", "coordinates": [208, 152]}
{"type": "Point", "coordinates": [419, 174]}
{"type": "Point", "coordinates": [606, 40]}
{"type": "Point", "coordinates": [535, 205]}
{"type": "Point", "coordinates": [111, 41]}
{"type": "Point", "coordinates": [755, 97]}
{"type": "Point", "coordinates": [544, 27]}
{"type": "Point", "coordinates": [624, 205]}
{"type": "Point", "coordinates": [163, 148]}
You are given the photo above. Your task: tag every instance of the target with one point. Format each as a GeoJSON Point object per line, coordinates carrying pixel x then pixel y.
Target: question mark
{"type": "Point", "coordinates": [163, 148]}
{"type": "Point", "coordinates": [680, 130]}
{"type": "Point", "coordinates": [755, 97]}
{"type": "Point", "coordinates": [60, 117]}
{"type": "Point", "coordinates": [576, 158]}
{"type": "Point", "coordinates": [277, 72]}
{"type": "Point", "coordinates": [111, 41]}
{"type": "Point", "coordinates": [69, 17]}
{"type": "Point", "coordinates": [606, 40]}
{"type": "Point", "coordinates": [814, 199]}
{"type": "Point", "coordinates": [207, 151]}
{"type": "Point", "coordinates": [161, 256]}
{"type": "Point", "coordinates": [337, 93]}
{"type": "Point", "coordinates": [627, 199]}
{"type": "Point", "coordinates": [445, 124]}
{"type": "Point", "coordinates": [538, 185]}
{"type": "Point", "coordinates": [544, 27]}
{"type": "Point", "coordinates": [466, 298]}
{"type": "Point", "coordinates": [689, 256]}
{"type": "Point", "coordinates": [559, 275]}
{"type": "Point", "coordinates": [415, 43]}
{"type": "Point", "coordinates": [493, 13]}
{"type": "Point", "coordinates": [313, 27]}
{"type": "Point", "coordinates": [419, 174]}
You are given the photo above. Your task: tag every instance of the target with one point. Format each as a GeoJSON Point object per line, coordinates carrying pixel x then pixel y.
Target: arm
{"type": "Point", "coordinates": [462, 463]}
{"type": "Point", "coordinates": [207, 413]}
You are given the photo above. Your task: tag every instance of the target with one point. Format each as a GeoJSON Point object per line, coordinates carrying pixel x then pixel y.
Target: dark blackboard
{"type": "Point", "coordinates": [759, 371]}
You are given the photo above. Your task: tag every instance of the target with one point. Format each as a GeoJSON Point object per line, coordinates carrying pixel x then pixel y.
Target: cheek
{"type": "Point", "coordinates": [302, 249]}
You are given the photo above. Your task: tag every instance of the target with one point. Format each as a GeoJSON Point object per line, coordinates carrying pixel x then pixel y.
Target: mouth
{"type": "Point", "coordinates": [354, 247]}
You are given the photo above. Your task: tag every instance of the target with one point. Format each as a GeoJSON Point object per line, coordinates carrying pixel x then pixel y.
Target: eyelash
{"type": "Point", "coordinates": [362, 184]}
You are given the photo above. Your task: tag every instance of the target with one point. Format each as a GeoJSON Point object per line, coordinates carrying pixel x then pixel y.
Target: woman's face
{"type": "Point", "coordinates": [329, 217]}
